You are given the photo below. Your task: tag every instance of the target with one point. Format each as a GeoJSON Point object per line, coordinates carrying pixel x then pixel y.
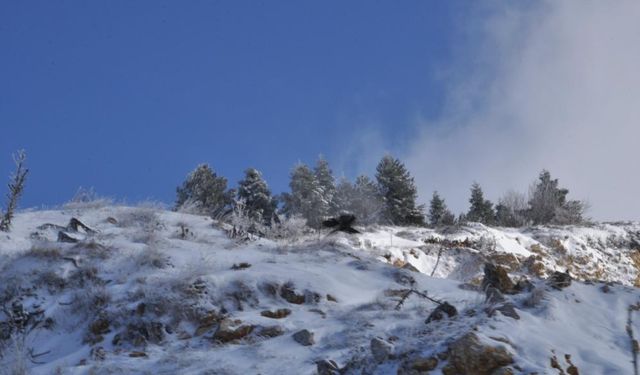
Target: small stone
{"type": "Point", "coordinates": [304, 337]}
{"type": "Point", "coordinates": [277, 314]}
{"type": "Point", "coordinates": [559, 280]}
{"type": "Point", "coordinates": [424, 364]}
{"type": "Point", "coordinates": [270, 332]}
{"type": "Point", "coordinates": [137, 354]}
{"type": "Point", "coordinates": [98, 353]}
{"type": "Point", "coordinates": [327, 367]}
{"type": "Point", "coordinates": [289, 294]}
{"type": "Point", "coordinates": [507, 309]}
{"type": "Point", "coordinates": [444, 309]}
{"type": "Point", "coordinates": [380, 349]}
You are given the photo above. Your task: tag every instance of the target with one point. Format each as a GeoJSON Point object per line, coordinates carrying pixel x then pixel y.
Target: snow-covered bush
{"type": "Point", "coordinates": [86, 199]}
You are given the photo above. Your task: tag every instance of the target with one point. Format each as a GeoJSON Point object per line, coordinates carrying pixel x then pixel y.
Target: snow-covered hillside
{"type": "Point", "coordinates": [141, 290]}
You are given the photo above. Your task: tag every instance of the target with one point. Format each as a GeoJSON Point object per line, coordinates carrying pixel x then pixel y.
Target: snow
{"type": "Point", "coordinates": [144, 258]}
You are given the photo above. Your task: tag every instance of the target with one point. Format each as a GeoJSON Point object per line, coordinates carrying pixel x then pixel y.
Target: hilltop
{"type": "Point", "coordinates": [145, 290]}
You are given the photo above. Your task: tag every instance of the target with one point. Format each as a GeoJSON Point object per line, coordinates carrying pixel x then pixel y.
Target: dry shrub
{"type": "Point", "coordinates": [44, 252]}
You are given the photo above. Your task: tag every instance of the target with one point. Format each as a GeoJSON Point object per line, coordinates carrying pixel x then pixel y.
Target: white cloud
{"type": "Point", "coordinates": [554, 86]}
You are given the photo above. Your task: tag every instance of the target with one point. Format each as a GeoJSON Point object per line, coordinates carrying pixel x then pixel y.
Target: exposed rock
{"type": "Point", "coordinates": [417, 366]}
{"type": "Point", "coordinates": [331, 298]}
{"type": "Point", "coordinates": [410, 267]}
{"type": "Point", "coordinates": [304, 337]}
{"type": "Point", "coordinates": [63, 237]}
{"type": "Point", "coordinates": [112, 220]}
{"type": "Point", "coordinates": [506, 260]}
{"type": "Point", "coordinates": [493, 295]}
{"type": "Point", "coordinates": [140, 333]}
{"type": "Point", "coordinates": [289, 294]}
{"type": "Point", "coordinates": [559, 280]}
{"type": "Point", "coordinates": [468, 355]}
{"type": "Point", "coordinates": [99, 326]}
{"type": "Point", "coordinates": [75, 225]}
{"type": "Point", "coordinates": [507, 309]}
{"type": "Point", "coordinates": [98, 353]}
{"type": "Point", "coordinates": [137, 354]}
{"type": "Point", "coordinates": [240, 266]}
{"type": "Point", "coordinates": [277, 314]}
{"type": "Point", "coordinates": [271, 331]}
{"type": "Point", "coordinates": [444, 309]}
{"type": "Point", "coordinates": [424, 364]}
{"type": "Point", "coordinates": [380, 349]}
{"type": "Point", "coordinates": [524, 285]}
{"type": "Point", "coordinates": [208, 322]}
{"type": "Point", "coordinates": [504, 371]}
{"type": "Point", "coordinates": [327, 367]}
{"type": "Point", "coordinates": [226, 334]}
{"type": "Point", "coordinates": [497, 277]}
{"type": "Point", "coordinates": [311, 297]}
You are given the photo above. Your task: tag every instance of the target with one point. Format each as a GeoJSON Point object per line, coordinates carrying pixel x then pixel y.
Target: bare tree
{"type": "Point", "coordinates": [16, 187]}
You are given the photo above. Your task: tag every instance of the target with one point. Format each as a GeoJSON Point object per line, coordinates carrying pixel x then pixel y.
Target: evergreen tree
{"type": "Point", "coordinates": [306, 197]}
{"type": "Point", "coordinates": [259, 205]}
{"type": "Point", "coordinates": [481, 210]}
{"type": "Point", "coordinates": [548, 203]}
{"type": "Point", "coordinates": [399, 193]}
{"type": "Point", "coordinates": [327, 184]}
{"type": "Point", "coordinates": [439, 214]}
{"type": "Point", "coordinates": [367, 203]}
{"type": "Point", "coordinates": [345, 197]}
{"type": "Point", "coordinates": [511, 210]}
{"type": "Point", "coordinates": [206, 192]}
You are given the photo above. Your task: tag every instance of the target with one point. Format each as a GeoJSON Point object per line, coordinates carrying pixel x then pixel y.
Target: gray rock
{"type": "Point", "coordinates": [304, 337]}
{"type": "Point", "coordinates": [327, 367]}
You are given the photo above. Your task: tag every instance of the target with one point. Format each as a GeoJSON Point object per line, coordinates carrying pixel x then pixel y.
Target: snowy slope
{"type": "Point", "coordinates": [158, 292]}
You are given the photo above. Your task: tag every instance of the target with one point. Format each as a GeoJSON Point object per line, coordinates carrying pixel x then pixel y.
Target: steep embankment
{"type": "Point", "coordinates": [140, 290]}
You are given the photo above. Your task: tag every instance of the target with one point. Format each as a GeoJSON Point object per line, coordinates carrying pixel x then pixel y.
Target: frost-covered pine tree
{"type": "Point", "coordinates": [258, 204]}
{"type": "Point", "coordinates": [481, 210]}
{"type": "Point", "coordinates": [345, 196]}
{"type": "Point", "coordinates": [367, 202]}
{"type": "Point", "coordinates": [548, 203]}
{"type": "Point", "coordinates": [327, 183]}
{"type": "Point", "coordinates": [439, 214]}
{"type": "Point", "coordinates": [306, 198]}
{"type": "Point", "coordinates": [398, 192]}
{"type": "Point", "coordinates": [511, 210]}
{"type": "Point", "coordinates": [205, 192]}
{"type": "Point", "coordinates": [16, 187]}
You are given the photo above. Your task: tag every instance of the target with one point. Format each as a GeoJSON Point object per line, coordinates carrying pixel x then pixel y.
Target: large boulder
{"type": "Point", "coordinates": [468, 355]}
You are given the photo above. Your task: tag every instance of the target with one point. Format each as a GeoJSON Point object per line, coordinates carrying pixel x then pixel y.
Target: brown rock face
{"type": "Point", "coordinates": [470, 356]}
{"type": "Point", "coordinates": [497, 277]}
{"type": "Point", "coordinates": [226, 334]}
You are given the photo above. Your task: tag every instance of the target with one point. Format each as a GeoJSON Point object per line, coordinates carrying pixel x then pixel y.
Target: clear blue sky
{"type": "Point", "coordinates": [129, 96]}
